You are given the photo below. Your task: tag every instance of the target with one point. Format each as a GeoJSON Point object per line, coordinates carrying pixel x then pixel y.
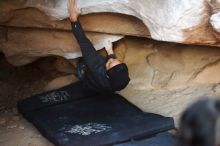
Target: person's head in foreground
{"type": "Point", "coordinates": [200, 124]}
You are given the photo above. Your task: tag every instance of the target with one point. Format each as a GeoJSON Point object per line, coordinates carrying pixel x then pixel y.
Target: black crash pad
{"type": "Point", "coordinates": [162, 139]}
{"type": "Point", "coordinates": [71, 116]}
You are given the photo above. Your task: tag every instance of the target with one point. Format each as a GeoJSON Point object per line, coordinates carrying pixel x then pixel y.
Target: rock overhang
{"type": "Point", "coordinates": [181, 21]}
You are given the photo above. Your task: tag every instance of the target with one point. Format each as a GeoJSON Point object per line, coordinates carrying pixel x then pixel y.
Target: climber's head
{"type": "Point", "coordinates": [117, 73]}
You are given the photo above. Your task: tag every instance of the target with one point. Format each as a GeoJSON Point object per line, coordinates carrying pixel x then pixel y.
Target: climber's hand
{"type": "Point", "coordinates": [73, 11]}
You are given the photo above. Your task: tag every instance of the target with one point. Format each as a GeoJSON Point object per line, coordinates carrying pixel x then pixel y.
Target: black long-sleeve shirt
{"type": "Point", "coordinates": [96, 78]}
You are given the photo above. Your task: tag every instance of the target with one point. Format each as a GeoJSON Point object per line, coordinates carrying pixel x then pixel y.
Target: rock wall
{"type": "Point", "coordinates": [182, 21]}
{"type": "Point", "coordinates": [169, 20]}
{"type": "Point", "coordinates": [167, 77]}
{"type": "Point", "coordinates": [26, 45]}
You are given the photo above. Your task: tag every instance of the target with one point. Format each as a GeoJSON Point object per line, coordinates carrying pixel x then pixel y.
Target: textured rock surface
{"type": "Point", "coordinates": [26, 45]}
{"type": "Point", "coordinates": [170, 20]}
{"type": "Point", "coordinates": [182, 21]}
{"type": "Point", "coordinates": [166, 77]}
{"type": "Point", "coordinates": [102, 22]}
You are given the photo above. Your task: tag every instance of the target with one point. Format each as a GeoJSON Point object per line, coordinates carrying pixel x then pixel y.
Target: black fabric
{"type": "Point", "coordinates": [96, 78]}
{"type": "Point", "coordinates": [66, 94]}
{"type": "Point", "coordinates": [81, 70]}
{"type": "Point", "coordinates": [162, 139]}
{"type": "Point", "coordinates": [118, 77]}
{"type": "Point", "coordinates": [88, 119]}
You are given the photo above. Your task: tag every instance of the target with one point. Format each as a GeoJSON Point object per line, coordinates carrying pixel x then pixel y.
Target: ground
{"type": "Point", "coordinates": [16, 131]}
{"type": "Point", "coordinates": [17, 83]}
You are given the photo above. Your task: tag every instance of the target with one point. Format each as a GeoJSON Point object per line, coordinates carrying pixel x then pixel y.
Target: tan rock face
{"type": "Point", "coordinates": [144, 18]}
{"type": "Point", "coordinates": [26, 45]}
{"type": "Point", "coordinates": [103, 22]}
{"type": "Point", "coordinates": [60, 82]}
{"type": "Point", "coordinates": [166, 77]}
{"type": "Point", "coordinates": [176, 25]}
{"type": "Point", "coordinates": [174, 21]}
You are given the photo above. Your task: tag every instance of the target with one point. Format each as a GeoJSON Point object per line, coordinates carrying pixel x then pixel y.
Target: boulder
{"type": "Point", "coordinates": [102, 22]}
{"type": "Point", "coordinates": [23, 46]}
{"type": "Point", "coordinates": [168, 77]}
{"type": "Point", "coordinates": [181, 21]}
{"type": "Point", "coordinates": [60, 82]}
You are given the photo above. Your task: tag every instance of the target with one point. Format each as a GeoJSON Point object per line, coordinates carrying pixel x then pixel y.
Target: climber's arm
{"type": "Point", "coordinates": [90, 56]}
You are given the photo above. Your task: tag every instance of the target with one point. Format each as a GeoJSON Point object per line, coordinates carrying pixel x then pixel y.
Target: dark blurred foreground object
{"type": "Point", "coordinates": [71, 116]}
{"type": "Point", "coordinates": [200, 124]}
{"type": "Point", "coordinates": [161, 139]}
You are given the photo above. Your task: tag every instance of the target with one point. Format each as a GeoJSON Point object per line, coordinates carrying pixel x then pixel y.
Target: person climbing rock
{"type": "Point", "coordinates": [102, 74]}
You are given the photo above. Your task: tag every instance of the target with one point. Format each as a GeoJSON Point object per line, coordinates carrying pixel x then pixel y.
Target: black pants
{"type": "Point", "coordinates": [96, 78]}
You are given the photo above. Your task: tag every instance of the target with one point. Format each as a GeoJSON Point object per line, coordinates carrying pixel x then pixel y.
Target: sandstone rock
{"type": "Point", "coordinates": [120, 50]}
{"type": "Point", "coordinates": [102, 22]}
{"type": "Point", "coordinates": [60, 82]}
{"type": "Point", "coordinates": [167, 77]}
{"type": "Point", "coordinates": [209, 74]}
{"type": "Point", "coordinates": [166, 20]}
{"type": "Point", "coordinates": [26, 45]}
{"type": "Point", "coordinates": [64, 66]}
{"type": "Point", "coordinates": [215, 6]}
{"type": "Point", "coordinates": [215, 21]}
{"type": "Point", "coordinates": [183, 21]}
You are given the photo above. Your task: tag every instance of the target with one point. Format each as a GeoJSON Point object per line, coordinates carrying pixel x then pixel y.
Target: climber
{"type": "Point", "coordinates": [102, 75]}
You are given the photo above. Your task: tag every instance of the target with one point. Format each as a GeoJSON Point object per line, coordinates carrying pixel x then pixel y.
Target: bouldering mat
{"type": "Point", "coordinates": [70, 117]}
{"type": "Point", "coordinates": [162, 139]}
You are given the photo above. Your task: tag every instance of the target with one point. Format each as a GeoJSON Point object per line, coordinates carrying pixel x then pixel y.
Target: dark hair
{"type": "Point", "coordinates": [118, 77]}
{"type": "Point", "coordinates": [198, 124]}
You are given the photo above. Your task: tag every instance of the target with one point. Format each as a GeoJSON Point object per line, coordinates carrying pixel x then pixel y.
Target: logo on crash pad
{"type": "Point", "coordinates": [88, 129]}
{"type": "Point", "coordinates": [56, 96]}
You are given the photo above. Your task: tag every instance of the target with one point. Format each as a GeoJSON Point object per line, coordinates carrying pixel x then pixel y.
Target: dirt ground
{"type": "Point", "coordinates": [16, 131]}
{"type": "Point", "coordinates": [17, 83]}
